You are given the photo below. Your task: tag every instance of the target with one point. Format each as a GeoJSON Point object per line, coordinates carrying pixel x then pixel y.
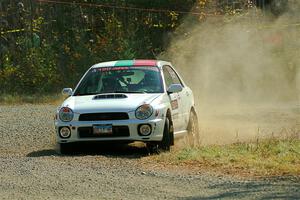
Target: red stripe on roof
{"type": "Point", "coordinates": [145, 63]}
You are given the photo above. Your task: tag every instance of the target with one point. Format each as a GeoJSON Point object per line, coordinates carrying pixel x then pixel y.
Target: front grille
{"type": "Point", "coordinates": [118, 131]}
{"type": "Point", "coordinates": [103, 116]}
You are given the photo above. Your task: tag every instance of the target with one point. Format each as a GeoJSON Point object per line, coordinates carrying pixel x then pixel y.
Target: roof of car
{"type": "Point", "coordinates": [126, 63]}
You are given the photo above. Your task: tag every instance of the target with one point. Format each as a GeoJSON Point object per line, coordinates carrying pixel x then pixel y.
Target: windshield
{"type": "Point", "coordinates": [121, 80]}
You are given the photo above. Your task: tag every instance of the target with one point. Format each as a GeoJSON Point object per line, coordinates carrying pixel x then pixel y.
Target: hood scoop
{"type": "Point", "coordinates": [110, 96]}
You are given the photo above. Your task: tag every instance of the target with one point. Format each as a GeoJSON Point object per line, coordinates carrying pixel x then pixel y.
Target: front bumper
{"type": "Point", "coordinates": [157, 126]}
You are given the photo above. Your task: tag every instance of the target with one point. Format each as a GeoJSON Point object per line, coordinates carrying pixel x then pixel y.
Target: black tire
{"type": "Point", "coordinates": [65, 148]}
{"type": "Point", "coordinates": [193, 138]}
{"type": "Point", "coordinates": [278, 7]}
{"type": "Point", "coordinates": [166, 142]}
{"type": "Point", "coordinates": [153, 148]}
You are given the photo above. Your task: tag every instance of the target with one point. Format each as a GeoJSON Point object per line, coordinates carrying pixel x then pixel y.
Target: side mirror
{"type": "Point", "coordinates": [174, 88]}
{"type": "Point", "coordinates": [67, 91]}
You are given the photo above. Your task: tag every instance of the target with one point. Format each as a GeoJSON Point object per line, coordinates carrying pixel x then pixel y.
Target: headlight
{"type": "Point", "coordinates": [66, 114]}
{"type": "Point", "coordinates": [144, 112]}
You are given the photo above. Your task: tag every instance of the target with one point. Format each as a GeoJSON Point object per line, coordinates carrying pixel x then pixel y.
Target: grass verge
{"type": "Point", "coordinates": [10, 99]}
{"type": "Point", "coordinates": [271, 157]}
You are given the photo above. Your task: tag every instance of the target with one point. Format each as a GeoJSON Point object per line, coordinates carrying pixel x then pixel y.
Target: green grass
{"type": "Point", "coordinates": [10, 99]}
{"type": "Point", "coordinates": [266, 158]}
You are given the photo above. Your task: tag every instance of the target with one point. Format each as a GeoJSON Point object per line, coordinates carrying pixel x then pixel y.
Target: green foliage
{"type": "Point", "coordinates": [32, 72]}
{"type": "Point", "coordinates": [47, 46]}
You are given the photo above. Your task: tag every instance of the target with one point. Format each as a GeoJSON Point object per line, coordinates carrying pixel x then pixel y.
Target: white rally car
{"type": "Point", "coordinates": [128, 100]}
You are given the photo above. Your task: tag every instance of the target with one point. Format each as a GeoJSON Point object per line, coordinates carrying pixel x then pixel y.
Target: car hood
{"type": "Point", "coordinates": [88, 104]}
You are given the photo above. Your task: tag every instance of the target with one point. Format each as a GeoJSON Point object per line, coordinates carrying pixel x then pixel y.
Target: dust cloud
{"type": "Point", "coordinates": [244, 71]}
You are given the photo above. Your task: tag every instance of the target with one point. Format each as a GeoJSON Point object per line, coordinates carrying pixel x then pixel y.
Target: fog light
{"type": "Point", "coordinates": [145, 129]}
{"type": "Point", "coordinates": [65, 132]}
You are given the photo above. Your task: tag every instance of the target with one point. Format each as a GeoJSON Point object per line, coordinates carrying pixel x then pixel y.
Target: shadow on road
{"type": "Point", "coordinates": [132, 151]}
{"type": "Point", "coordinates": [271, 188]}
{"type": "Point", "coordinates": [42, 153]}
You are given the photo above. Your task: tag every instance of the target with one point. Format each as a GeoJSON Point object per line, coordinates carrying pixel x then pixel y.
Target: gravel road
{"type": "Point", "coordinates": [30, 169]}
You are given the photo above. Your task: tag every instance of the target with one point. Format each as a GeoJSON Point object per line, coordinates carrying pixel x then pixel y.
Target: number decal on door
{"type": "Point", "coordinates": [174, 104]}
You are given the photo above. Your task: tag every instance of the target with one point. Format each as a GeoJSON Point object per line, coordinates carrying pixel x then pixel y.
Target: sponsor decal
{"type": "Point", "coordinates": [106, 69]}
{"type": "Point", "coordinates": [174, 104]}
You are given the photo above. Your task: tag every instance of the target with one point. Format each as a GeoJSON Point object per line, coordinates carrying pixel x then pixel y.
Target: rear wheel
{"type": "Point", "coordinates": [193, 138]}
{"type": "Point", "coordinates": [278, 7]}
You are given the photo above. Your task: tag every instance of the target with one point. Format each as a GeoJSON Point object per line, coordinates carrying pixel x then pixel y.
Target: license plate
{"type": "Point", "coordinates": [105, 129]}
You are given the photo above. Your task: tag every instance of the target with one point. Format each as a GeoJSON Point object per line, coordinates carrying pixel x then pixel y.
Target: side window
{"type": "Point", "coordinates": [168, 77]}
{"type": "Point", "coordinates": [174, 76]}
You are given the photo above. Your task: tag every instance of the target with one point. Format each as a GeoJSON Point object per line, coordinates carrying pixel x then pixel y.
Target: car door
{"type": "Point", "coordinates": [184, 99]}
{"type": "Point", "coordinates": [173, 98]}
{"type": "Point", "coordinates": [171, 77]}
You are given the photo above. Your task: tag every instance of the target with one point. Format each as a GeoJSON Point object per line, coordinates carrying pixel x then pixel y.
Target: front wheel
{"type": "Point", "coordinates": [193, 138]}
{"type": "Point", "coordinates": [65, 148]}
{"type": "Point", "coordinates": [166, 142]}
